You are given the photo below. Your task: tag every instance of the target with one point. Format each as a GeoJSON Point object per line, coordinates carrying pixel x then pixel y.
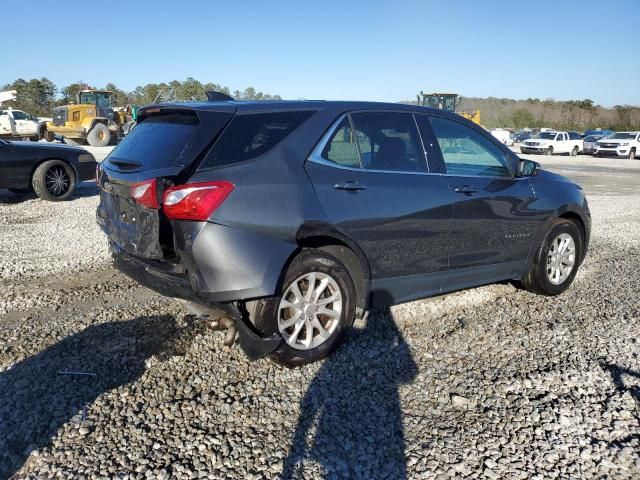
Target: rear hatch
{"type": "Point", "coordinates": [163, 149]}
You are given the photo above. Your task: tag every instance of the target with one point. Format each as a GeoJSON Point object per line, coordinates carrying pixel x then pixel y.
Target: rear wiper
{"type": "Point", "coordinates": [125, 164]}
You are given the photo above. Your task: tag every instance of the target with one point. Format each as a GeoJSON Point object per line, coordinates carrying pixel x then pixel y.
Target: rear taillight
{"type": "Point", "coordinates": [195, 201]}
{"type": "Point", "coordinates": [145, 193]}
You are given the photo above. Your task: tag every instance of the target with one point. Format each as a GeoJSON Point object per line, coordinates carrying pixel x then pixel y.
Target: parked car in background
{"type": "Point", "coordinates": [18, 124]}
{"type": "Point", "coordinates": [604, 133]}
{"type": "Point", "coordinates": [503, 135]}
{"type": "Point", "coordinates": [521, 135]}
{"type": "Point", "coordinates": [575, 136]}
{"type": "Point", "coordinates": [294, 218]}
{"type": "Point", "coordinates": [552, 143]}
{"type": "Point", "coordinates": [52, 171]}
{"type": "Point", "coordinates": [620, 144]}
{"type": "Point", "coordinates": [589, 143]}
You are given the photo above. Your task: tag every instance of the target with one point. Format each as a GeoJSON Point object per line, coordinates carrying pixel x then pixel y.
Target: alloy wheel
{"type": "Point", "coordinates": [310, 310]}
{"type": "Point", "coordinates": [561, 258]}
{"type": "Point", "coordinates": [57, 181]}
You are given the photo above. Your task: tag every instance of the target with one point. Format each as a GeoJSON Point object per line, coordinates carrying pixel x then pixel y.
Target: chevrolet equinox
{"type": "Point", "coordinates": [294, 217]}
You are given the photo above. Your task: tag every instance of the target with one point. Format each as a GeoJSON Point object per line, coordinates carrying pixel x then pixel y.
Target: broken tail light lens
{"type": "Point", "coordinates": [145, 193]}
{"type": "Point", "coordinates": [195, 201]}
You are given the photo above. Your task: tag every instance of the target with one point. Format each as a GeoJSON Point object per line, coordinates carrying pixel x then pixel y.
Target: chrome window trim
{"type": "Point", "coordinates": [316, 154]}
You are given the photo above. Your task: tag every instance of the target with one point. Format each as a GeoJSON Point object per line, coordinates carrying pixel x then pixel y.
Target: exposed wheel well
{"type": "Point", "coordinates": [355, 265]}
{"type": "Point", "coordinates": [575, 218]}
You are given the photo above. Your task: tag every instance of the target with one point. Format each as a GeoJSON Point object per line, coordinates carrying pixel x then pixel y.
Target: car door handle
{"type": "Point", "coordinates": [466, 189]}
{"type": "Point", "coordinates": [349, 186]}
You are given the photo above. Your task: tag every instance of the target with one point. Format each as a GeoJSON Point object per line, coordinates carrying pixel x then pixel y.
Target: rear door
{"type": "Point", "coordinates": [371, 175]}
{"type": "Point", "coordinates": [492, 221]}
{"type": "Point", "coordinates": [165, 146]}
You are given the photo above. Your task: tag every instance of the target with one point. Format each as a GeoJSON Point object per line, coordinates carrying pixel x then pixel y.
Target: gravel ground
{"type": "Point", "coordinates": [491, 383]}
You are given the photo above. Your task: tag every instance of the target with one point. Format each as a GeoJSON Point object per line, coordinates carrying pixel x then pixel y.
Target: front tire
{"type": "Point", "coordinates": [557, 260]}
{"type": "Point", "coordinates": [632, 154]}
{"type": "Point", "coordinates": [99, 136]}
{"type": "Point", "coordinates": [549, 151]}
{"type": "Point", "coordinates": [313, 310]}
{"type": "Point", "coordinates": [574, 152]}
{"type": "Point", "coordinates": [54, 180]}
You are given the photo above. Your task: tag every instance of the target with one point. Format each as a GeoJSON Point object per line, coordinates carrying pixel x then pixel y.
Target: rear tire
{"type": "Point", "coordinates": [575, 151]}
{"type": "Point", "coordinates": [49, 136]}
{"type": "Point", "coordinates": [54, 180]}
{"type": "Point", "coordinates": [99, 136]}
{"type": "Point", "coordinates": [552, 259]}
{"type": "Point", "coordinates": [331, 280]}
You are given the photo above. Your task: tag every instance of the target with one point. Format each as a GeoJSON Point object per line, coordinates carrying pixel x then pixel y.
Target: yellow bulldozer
{"type": "Point", "coordinates": [448, 102]}
{"type": "Point", "coordinates": [91, 120]}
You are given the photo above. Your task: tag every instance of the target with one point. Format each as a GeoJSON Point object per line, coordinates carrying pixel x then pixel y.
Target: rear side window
{"type": "Point", "coordinates": [388, 141]}
{"type": "Point", "coordinates": [249, 136]}
{"type": "Point", "coordinates": [341, 148]}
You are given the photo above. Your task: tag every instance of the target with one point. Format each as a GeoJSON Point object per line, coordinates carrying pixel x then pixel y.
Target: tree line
{"type": "Point", "coordinates": [39, 96]}
{"type": "Point", "coordinates": [568, 115]}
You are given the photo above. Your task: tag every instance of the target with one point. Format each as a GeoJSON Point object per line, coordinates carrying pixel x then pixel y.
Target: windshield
{"type": "Point", "coordinates": [546, 135]}
{"type": "Point", "coordinates": [623, 136]}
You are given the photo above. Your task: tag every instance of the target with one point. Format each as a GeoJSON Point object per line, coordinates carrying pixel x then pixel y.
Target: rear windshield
{"type": "Point", "coordinates": [252, 135]}
{"type": "Point", "coordinates": [158, 141]}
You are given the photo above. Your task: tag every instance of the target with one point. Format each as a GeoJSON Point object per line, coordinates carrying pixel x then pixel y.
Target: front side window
{"type": "Point", "coordinates": [388, 141]}
{"type": "Point", "coordinates": [468, 153]}
{"type": "Point", "coordinates": [103, 100]}
{"type": "Point", "coordinates": [87, 98]}
{"type": "Point", "coordinates": [18, 115]}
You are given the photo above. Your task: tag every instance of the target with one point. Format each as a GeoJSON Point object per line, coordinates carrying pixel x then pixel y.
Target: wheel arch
{"type": "Point", "coordinates": [577, 219]}
{"type": "Point", "coordinates": [103, 120]}
{"type": "Point", "coordinates": [347, 252]}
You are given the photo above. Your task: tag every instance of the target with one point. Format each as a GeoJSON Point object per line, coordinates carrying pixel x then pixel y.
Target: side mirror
{"type": "Point", "coordinates": [527, 168]}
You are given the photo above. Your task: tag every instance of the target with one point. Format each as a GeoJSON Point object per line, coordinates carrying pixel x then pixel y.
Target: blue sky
{"type": "Point", "coordinates": [364, 50]}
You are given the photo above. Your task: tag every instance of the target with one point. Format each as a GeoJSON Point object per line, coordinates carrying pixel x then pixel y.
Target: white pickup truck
{"type": "Point", "coordinates": [620, 144]}
{"type": "Point", "coordinates": [18, 124]}
{"type": "Point", "coordinates": [551, 143]}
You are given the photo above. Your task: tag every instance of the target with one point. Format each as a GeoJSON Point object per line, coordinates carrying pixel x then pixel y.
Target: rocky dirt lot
{"type": "Point", "coordinates": [493, 382]}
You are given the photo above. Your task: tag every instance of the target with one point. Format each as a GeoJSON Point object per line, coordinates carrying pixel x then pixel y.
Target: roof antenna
{"type": "Point", "coordinates": [214, 96]}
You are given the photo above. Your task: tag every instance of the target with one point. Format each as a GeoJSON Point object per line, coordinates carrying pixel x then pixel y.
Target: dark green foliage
{"type": "Point", "coordinates": [38, 96]}
{"type": "Point", "coordinates": [35, 96]}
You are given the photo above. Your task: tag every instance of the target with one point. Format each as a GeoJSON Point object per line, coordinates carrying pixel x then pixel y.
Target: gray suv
{"type": "Point", "coordinates": [294, 218]}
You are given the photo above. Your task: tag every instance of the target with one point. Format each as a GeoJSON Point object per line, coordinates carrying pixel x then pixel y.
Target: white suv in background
{"type": "Point", "coordinates": [550, 143]}
{"type": "Point", "coordinates": [620, 144]}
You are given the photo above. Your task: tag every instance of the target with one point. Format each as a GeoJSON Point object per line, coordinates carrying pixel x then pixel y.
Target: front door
{"type": "Point", "coordinates": [370, 175]}
{"type": "Point", "coordinates": [492, 222]}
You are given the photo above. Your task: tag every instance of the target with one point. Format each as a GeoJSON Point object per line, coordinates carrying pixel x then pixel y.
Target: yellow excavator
{"type": "Point", "coordinates": [448, 102]}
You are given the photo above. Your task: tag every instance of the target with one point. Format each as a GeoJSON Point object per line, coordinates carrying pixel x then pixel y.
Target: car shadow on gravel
{"type": "Point", "coordinates": [352, 407]}
{"type": "Point", "coordinates": [36, 399]}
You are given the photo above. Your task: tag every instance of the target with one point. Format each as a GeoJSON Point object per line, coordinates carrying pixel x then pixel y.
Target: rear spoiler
{"type": "Point", "coordinates": [215, 96]}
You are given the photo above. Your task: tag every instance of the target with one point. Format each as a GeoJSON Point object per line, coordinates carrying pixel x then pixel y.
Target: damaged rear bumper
{"type": "Point", "coordinates": [171, 280]}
